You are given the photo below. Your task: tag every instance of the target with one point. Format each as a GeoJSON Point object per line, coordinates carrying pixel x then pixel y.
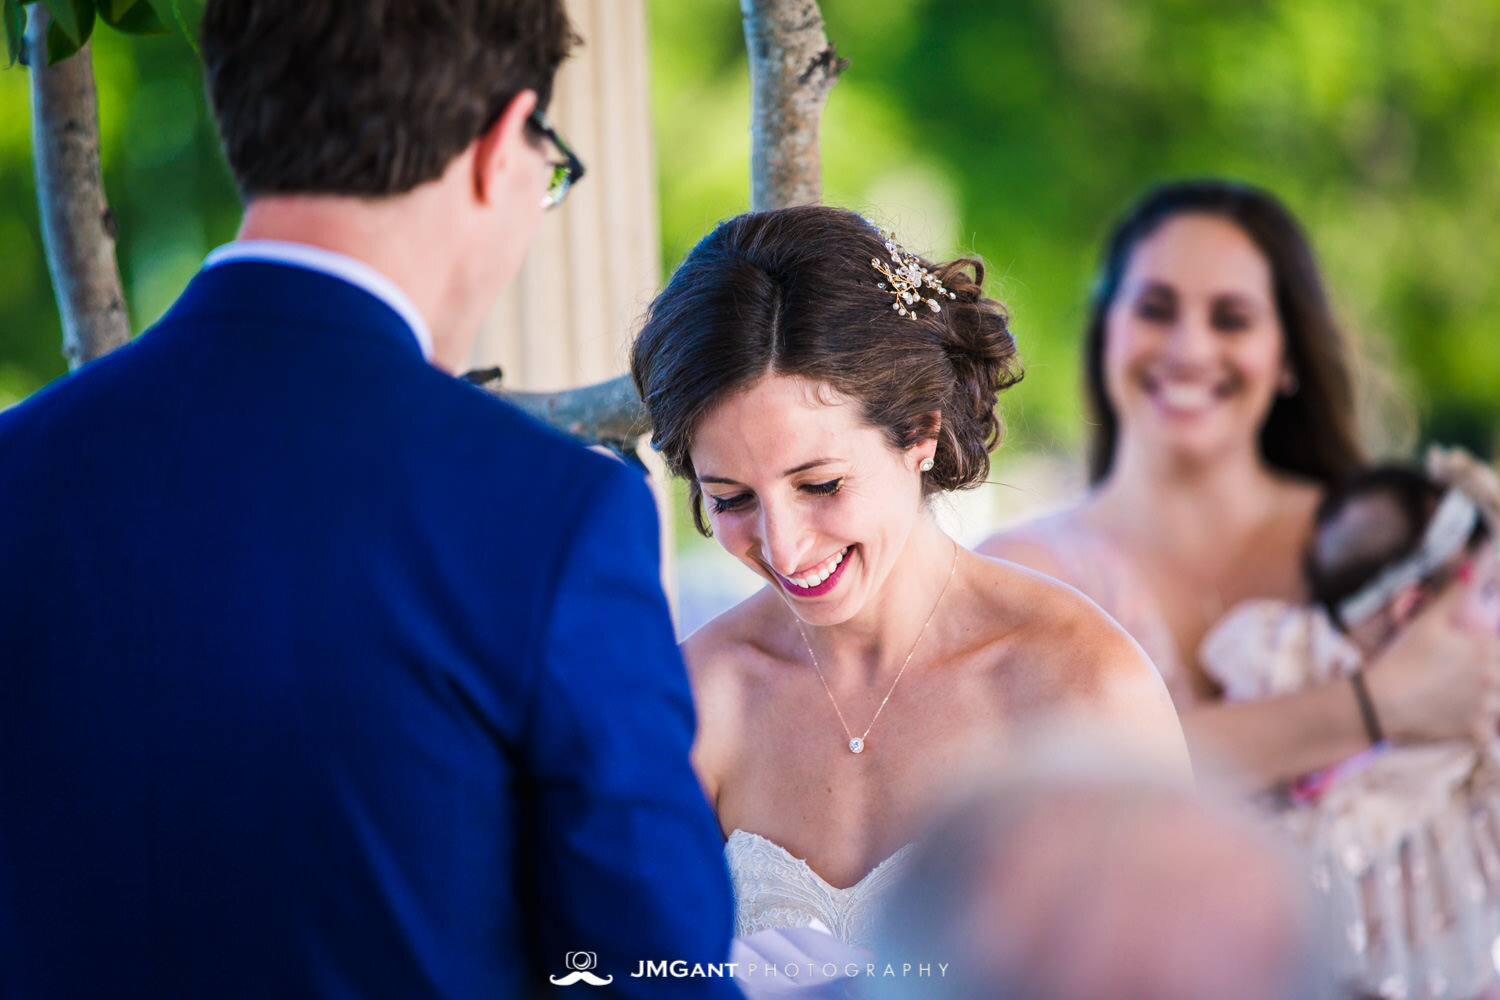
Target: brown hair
{"type": "Point", "coordinates": [1310, 433]}
{"type": "Point", "coordinates": [792, 292]}
{"type": "Point", "coordinates": [371, 97]}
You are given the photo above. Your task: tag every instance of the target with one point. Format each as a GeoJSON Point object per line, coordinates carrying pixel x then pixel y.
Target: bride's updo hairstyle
{"type": "Point", "coordinates": [793, 292]}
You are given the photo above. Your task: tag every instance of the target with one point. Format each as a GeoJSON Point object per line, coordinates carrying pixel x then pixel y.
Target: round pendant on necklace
{"type": "Point", "coordinates": [857, 745]}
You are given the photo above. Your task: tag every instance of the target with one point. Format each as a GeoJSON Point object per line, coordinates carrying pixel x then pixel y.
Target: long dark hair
{"type": "Point", "coordinates": [1310, 433]}
{"type": "Point", "coordinates": [793, 292]}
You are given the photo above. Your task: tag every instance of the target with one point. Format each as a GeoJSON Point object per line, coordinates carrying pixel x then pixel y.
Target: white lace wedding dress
{"type": "Point", "coordinates": [774, 889]}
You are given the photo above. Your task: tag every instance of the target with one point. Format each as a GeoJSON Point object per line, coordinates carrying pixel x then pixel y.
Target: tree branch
{"type": "Point", "coordinates": [792, 69]}
{"type": "Point", "coordinates": [78, 227]}
{"type": "Point", "coordinates": [604, 413]}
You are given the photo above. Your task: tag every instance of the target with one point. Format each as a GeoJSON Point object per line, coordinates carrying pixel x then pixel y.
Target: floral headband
{"type": "Point", "coordinates": [1451, 525]}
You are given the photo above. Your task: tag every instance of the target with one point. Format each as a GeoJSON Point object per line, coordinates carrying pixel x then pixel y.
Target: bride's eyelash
{"type": "Point", "coordinates": [728, 505]}
{"type": "Point", "coordinates": [725, 505]}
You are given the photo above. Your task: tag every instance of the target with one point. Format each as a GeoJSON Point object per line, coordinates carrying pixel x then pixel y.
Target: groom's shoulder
{"type": "Point", "coordinates": [481, 423]}
{"type": "Point", "coordinates": [500, 459]}
{"type": "Point", "coordinates": [51, 408]}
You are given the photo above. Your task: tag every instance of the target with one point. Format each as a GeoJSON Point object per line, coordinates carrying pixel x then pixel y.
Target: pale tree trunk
{"type": "Point", "coordinates": [78, 227]}
{"type": "Point", "coordinates": [792, 69]}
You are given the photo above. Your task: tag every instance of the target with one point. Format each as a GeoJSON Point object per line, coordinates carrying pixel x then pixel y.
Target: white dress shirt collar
{"type": "Point", "coordinates": [336, 265]}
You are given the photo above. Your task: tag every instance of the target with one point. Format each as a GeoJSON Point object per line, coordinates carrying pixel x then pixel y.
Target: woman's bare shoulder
{"type": "Point", "coordinates": [1036, 543]}
{"type": "Point", "coordinates": [724, 658]}
{"type": "Point", "coordinates": [1067, 657]}
{"type": "Point", "coordinates": [723, 648]}
{"type": "Point", "coordinates": [1054, 619]}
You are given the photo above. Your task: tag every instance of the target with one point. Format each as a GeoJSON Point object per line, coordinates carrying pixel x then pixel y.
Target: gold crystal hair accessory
{"type": "Point", "coordinates": [909, 281]}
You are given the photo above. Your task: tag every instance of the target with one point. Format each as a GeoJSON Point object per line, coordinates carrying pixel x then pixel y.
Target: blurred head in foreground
{"type": "Point", "coordinates": [1080, 883]}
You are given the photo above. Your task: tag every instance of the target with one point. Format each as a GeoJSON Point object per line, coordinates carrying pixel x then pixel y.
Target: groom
{"type": "Point", "coordinates": [323, 674]}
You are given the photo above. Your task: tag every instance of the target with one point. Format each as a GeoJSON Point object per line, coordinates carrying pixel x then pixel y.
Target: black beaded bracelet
{"type": "Point", "coordinates": [1366, 707]}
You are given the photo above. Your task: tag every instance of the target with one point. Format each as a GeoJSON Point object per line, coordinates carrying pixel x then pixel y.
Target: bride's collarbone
{"type": "Point", "coordinates": [807, 788]}
{"type": "Point", "coordinates": [927, 720]}
{"type": "Point", "coordinates": [795, 782]}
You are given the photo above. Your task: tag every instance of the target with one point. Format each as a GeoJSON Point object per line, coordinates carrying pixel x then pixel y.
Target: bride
{"type": "Point", "coordinates": [817, 386]}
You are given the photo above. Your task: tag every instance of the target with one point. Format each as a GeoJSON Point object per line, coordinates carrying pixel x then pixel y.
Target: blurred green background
{"type": "Point", "coordinates": [1012, 129]}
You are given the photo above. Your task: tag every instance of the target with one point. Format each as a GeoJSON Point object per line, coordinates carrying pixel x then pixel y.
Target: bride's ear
{"type": "Point", "coordinates": [924, 452]}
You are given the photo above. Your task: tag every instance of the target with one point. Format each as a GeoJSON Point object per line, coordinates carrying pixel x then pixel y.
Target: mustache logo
{"type": "Point", "coordinates": [581, 963]}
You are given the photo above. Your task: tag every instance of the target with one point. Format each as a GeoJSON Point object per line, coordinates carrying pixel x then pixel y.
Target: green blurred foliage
{"type": "Point", "coordinates": [1015, 130]}
{"type": "Point", "coordinates": [72, 23]}
{"type": "Point", "coordinates": [1034, 122]}
{"type": "Point", "coordinates": [166, 181]}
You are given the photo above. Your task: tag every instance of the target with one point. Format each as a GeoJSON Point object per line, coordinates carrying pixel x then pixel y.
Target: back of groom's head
{"type": "Point", "coordinates": [369, 97]}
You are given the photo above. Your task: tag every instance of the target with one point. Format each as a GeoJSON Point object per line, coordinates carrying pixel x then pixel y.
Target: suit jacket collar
{"type": "Point", "coordinates": [278, 294]}
{"type": "Point", "coordinates": [330, 262]}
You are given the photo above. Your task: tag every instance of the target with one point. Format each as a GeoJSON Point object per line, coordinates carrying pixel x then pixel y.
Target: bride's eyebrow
{"type": "Point", "coordinates": [789, 472]}
{"type": "Point", "coordinates": [808, 465]}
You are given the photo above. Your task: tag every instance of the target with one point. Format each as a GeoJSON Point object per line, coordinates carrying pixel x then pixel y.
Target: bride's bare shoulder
{"type": "Point", "coordinates": [730, 663]}
{"type": "Point", "coordinates": [732, 638]}
{"type": "Point", "coordinates": [1064, 655]}
{"type": "Point", "coordinates": [735, 659]}
{"type": "Point", "coordinates": [1050, 617]}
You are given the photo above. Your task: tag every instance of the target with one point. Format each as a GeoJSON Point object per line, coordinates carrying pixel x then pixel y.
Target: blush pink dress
{"type": "Point", "coordinates": [1404, 842]}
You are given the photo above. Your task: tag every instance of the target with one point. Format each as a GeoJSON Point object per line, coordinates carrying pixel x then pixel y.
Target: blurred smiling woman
{"type": "Point", "coordinates": [1222, 411]}
{"type": "Point", "coordinates": [816, 385]}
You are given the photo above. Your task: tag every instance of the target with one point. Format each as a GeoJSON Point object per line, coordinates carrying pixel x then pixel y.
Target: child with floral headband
{"type": "Point", "coordinates": [1405, 840]}
{"type": "Point", "coordinates": [1386, 542]}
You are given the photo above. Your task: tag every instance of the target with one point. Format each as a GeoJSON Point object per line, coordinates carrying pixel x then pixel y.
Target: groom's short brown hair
{"type": "Point", "coordinates": [369, 97]}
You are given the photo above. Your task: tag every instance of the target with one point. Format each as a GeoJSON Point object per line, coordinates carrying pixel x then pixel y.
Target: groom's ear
{"type": "Point", "coordinates": [499, 149]}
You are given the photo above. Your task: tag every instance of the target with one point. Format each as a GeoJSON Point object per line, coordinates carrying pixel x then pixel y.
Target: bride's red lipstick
{"type": "Point", "coordinates": [822, 588]}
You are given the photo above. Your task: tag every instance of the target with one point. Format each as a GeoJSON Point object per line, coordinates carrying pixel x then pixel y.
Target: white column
{"type": "Point", "coordinates": [568, 318]}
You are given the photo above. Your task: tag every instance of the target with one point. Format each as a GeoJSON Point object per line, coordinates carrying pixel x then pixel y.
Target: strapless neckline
{"type": "Point", "coordinates": [775, 888]}
{"type": "Point", "coordinates": [772, 845]}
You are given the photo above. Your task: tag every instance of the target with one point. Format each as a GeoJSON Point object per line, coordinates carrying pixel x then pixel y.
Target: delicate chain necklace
{"type": "Point", "coordinates": [857, 743]}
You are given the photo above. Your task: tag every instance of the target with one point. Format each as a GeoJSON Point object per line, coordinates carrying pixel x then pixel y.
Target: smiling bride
{"type": "Point", "coordinates": [816, 386]}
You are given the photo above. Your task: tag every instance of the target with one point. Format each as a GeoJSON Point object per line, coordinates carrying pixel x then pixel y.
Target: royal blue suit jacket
{"type": "Point", "coordinates": [323, 674]}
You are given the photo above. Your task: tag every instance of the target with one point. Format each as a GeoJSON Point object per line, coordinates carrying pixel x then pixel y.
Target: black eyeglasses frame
{"type": "Point", "coordinates": [564, 174]}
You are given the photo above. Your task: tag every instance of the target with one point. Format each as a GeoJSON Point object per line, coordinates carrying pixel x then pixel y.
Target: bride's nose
{"type": "Point", "coordinates": [784, 539]}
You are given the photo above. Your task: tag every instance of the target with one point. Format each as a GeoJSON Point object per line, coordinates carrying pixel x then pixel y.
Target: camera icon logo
{"type": "Point", "coordinates": [581, 964]}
